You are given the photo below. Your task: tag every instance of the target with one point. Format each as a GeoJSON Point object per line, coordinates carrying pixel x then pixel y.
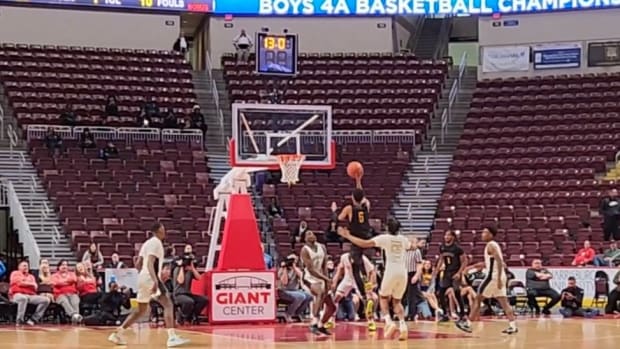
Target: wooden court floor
{"type": "Point", "coordinates": [541, 333]}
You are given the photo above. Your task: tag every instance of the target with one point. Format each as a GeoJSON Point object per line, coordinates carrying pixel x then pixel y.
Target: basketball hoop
{"type": "Point", "coordinates": [290, 164]}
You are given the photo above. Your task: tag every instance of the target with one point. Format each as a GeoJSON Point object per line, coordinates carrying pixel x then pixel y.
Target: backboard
{"type": "Point", "coordinates": [262, 131]}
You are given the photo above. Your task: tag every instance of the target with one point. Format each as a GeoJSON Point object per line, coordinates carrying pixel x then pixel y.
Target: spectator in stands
{"type": "Point", "coordinates": [23, 291]}
{"type": "Point", "coordinates": [53, 142]}
{"type": "Point", "coordinates": [242, 44]}
{"type": "Point", "coordinates": [585, 255]}
{"type": "Point", "coordinates": [610, 210]}
{"type": "Point", "coordinates": [111, 303]}
{"type": "Point", "coordinates": [87, 140]}
{"type": "Point", "coordinates": [537, 284]}
{"type": "Point", "coordinates": [572, 300]}
{"type": "Point", "coordinates": [44, 280]}
{"type": "Point", "coordinates": [274, 210]}
{"type": "Point", "coordinates": [87, 284]}
{"type": "Point", "coordinates": [299, 234]}
{"type": "Point", "coordinates": [109, 151]}
{"type": "Point", "coordinates": [170, 119]}
{"type": "Point", "coordinates": [111, 106]}
{"type": "Point", "coordinates": [268, 259]}
{"type": "Point", "coordinates": [115, 262]}
{"type": "Point", "coordinates": [331, 233]}
{"type": "Point", "coordinates": [184, 273]}
{"type": "Point", "coordinates": [609, 258]}
{"type": "Point", "coordinates": [197, 120]}
{"type": "Point", "coordinates": [93, 255]}
{"type": "Point", "coordinates": [65, 291]}
{"type": "Point", "coordinates": [149, 110]}
{"type": "Point", "coordinates": [289, 291]}
{"type": "Point", "coordinates": [613, 299]}
{"type": "Point", "coordinates": [180, 45]}
{"type": "Point", "coordinates": [68, 116]}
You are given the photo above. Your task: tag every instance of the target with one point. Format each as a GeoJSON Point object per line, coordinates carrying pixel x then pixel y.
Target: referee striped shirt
{"type": "Point", "coordinates": [412, 259]}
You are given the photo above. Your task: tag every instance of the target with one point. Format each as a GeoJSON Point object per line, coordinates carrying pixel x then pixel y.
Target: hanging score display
{"type": "Point", "coordinates": [276, 54]}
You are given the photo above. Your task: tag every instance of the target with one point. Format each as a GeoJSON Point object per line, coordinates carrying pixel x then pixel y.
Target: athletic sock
{"type": "Point", "coordinates": [388, 319]}
{"type": "Point", "coordinates": [314, 321]}
{"type": "Point", "coordinates": [120, 330]}
{"type": "Point", "coordinates": [403, 323]}
{"type": "Point", "coordinates": [512, 324]}
{"type": "Point", "coordinates": [171, 333]}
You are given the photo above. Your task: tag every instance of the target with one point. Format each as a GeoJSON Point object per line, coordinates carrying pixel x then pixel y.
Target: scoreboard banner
{"type": "Point", "coordinates": [603, 54]}
{"type": "Point", "coordinates": [557, 56]}
{"type": "Point", "coordinates": [155, 5]}
{"type": "Point", "coordinates": [498, 59]}
{"type": "Point", "coordinates": [398, 7]}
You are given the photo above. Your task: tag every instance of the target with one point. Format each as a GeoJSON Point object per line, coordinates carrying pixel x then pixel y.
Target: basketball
{"type": "Point", "coordinates": [355, 169]}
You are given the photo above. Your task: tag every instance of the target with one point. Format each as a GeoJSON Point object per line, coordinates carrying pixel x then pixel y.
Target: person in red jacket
{"type": "Point", "coordinates": [65, 291]}
{"type": "Point", "coordinates": [87, 284]}
{"type": "Point", "coordinates": [23, 291]}
{"type": "Point", "coordinates": [585, 255]}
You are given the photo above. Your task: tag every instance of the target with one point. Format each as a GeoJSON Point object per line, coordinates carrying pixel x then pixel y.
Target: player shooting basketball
{"type": "Point", "coordinates": [357, 215]}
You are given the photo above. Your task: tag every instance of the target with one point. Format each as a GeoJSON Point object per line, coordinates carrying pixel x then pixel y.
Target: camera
{"type": "Point", "coordinates": [188, 259]}
{"type": "Point", "coordinates": [289, 262]}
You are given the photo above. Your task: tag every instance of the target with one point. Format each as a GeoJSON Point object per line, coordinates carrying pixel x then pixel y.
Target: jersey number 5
{"type": "Point", "coordinates": [361, 218]}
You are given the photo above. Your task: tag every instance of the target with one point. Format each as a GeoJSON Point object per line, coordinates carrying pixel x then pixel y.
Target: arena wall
{"type": "Point", "coordinates": [369, 34]}
{"type": "Point", "coordinates": [88, 28]}
{"type": "Point", "coordinates": [550, 28]}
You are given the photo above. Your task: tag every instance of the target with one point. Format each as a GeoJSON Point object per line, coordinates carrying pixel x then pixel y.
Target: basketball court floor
{"type": "Point", "coordinates": [603, 333]}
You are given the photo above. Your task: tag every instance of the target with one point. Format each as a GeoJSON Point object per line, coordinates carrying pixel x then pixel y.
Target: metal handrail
{"type": "Point", "coordinates": [417, 27]}
{"type": "Point", "coordinates": [444, 37]}
{"type": "Point", "coordinates": [1, 123]}
{"type": "Point", "coordinates": [444, 124]}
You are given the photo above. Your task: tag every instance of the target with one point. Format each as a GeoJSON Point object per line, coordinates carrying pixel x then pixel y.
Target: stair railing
{"type": "Point", "coordinates": [462, 68]}
{"type": "Point", "coordinates": [417, 193]}
{"type": "Point", "coordinates": [216, 94]}
{"type": "Point", "coordinates": [45, 211]}
{"type": "Point", "coordinates": [444, 125]}
{"type": "Point", "coordinates": [1, 123]}
{"type": "Point", "coordinates": [56, 238]}
{"type": "Point", "coordinates": [20, 223]}
{"type": "Point", "coordinates": [444, 37]}
{"type": "Point", "coordinates": [453, 95]}
{"type": "Point", "coordinates": [33, 185]}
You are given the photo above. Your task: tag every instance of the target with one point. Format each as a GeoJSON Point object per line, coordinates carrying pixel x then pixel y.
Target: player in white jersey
{"type": "Point", "coordinates": [314, 257]}
{"type": "Point", "coordinates": [344, 283]}
{"type": "Point", "coordinates": [395, 277]}
{"type": "Point", "coordinates": [494, 284]}
{"type": "Point", "coordinates": [151, 287]}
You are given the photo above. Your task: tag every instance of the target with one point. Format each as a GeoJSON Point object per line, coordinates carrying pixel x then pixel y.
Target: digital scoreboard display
{"type": "Point", "coordinates": [276, 54]}
{"type": "Point", "coordinates": [155, 5]}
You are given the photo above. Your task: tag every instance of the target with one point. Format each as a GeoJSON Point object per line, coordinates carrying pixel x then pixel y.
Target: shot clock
{"type": "Point", "coordinates": [276, 54]}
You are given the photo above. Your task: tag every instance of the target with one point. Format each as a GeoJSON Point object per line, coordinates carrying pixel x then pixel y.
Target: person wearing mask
{"type": "Point", "coordinates": [87, 140]}
{"type": "Point", "coordinates": [87, 284]}
{"type": "Point", "coordinates": [242, 44]}
{"type": "Point", "coordinates": [289, 291]}
{"type": "Point", "coordinates": [183, 274]}
{"type": "Point", "coordinates": [610, 257]}
{"type": "Point", "coordinates": [93, 255]}
{"type": "Point", "coordinates": [23, 291]}
{"type": "Point", "coordinates": [65, 291]}
{"type": "Point", "coordinates": [610, 210]}
{"type": "Point", "coordinates": [197, 120]}
{"type": "Point", "coordinates": [115, 262]}
{"type": "Point", "coordinates": [585, 255]}
{"type": "Point", "coordinates": [538, 285]}
{"type": "Point", "coordinates": [111, 106]}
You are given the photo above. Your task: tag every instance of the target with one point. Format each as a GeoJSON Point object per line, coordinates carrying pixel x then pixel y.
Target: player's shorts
{"type": "Point", "coordinates": [145, 292]}
{"type": "Point", "coordinates": [394, 285]}
{"type": "Point", "coordinates": [345, 287]}
{"type": "Point", "coordinates": [313, 284]}
{"type": "Point", "coordinates": [488, 288]}
{"type": "Point", "coordinates": [447, 281]}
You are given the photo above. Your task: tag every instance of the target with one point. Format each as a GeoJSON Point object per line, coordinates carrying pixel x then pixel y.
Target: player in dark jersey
{"type": "Point", "coordinates": [358, 217]}
{"type": "Point", "coordinates": [453, 261]}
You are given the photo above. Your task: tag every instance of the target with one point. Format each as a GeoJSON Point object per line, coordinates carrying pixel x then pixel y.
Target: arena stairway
{"type": "Point", "coordinates": [38, 208]}
{"type": "Point", "coordinates": [416, 203]}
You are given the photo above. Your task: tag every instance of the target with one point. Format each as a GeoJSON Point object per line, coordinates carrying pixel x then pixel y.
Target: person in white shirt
{"type": "Point", "coordinates": [395, 277]}
{"type": "Point", "coordinates": [242, 43]}
{"type": "Point", "coordinates": [343, 283]}
{"type": "Point", "coordinates": [151, 287]}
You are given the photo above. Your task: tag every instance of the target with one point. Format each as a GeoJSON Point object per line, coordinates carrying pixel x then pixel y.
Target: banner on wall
{"type": "Point", "coordinates": [557, 56]}
{"type": "Point", "coordinates": [505, 59]}
{"type": "Point", "coordinates": [123, 277]}
{"type": "Point", "coordinates": [602, 54]}
{"type": "Point", "coordinates": [584, 277]}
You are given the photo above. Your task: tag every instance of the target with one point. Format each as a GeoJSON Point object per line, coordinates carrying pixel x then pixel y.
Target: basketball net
{"type": "Point", "coordinates": [290, 164]}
